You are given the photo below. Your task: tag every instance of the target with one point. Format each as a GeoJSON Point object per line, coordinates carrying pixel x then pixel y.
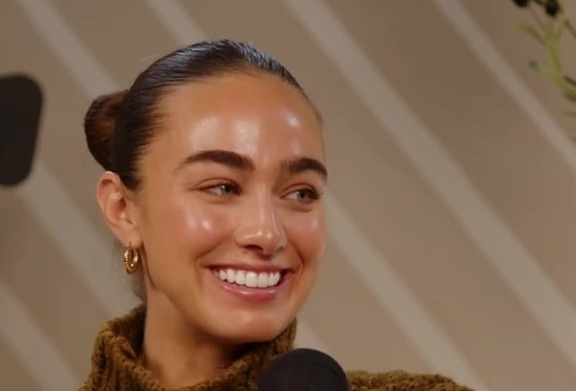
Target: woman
{"type": "Point", "coordinates": [214, 182]}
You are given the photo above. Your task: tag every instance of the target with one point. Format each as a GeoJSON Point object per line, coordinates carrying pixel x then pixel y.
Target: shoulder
{"type": "Point", "coordinates": [400, 381]}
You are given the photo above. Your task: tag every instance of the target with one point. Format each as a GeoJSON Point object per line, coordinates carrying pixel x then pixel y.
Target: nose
{"type": "Point", "coordinates": [260, 229]}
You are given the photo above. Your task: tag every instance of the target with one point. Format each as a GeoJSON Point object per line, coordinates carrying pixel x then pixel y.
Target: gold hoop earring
{"type": "Point", "coordinates": [131, 259]}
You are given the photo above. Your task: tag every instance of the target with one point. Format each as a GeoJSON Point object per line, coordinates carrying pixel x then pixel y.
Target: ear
{"type": "Point", "coordinates": [119, 211]}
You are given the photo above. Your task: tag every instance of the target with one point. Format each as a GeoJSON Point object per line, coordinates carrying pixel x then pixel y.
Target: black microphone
{"type": "Point", "coordinates": [303, 369]}
{"type": "Point", "coordinates": [20, 108]}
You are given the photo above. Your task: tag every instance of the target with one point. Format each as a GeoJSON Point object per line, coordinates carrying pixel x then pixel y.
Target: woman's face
{"type": "Point", "coordinates": [231, 212]}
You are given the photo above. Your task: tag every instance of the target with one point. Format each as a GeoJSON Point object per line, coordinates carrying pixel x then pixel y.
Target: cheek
{"type": "Point", "coordinates": [307, 233]}
{"type": "Point", "coordinates": [193, 227]}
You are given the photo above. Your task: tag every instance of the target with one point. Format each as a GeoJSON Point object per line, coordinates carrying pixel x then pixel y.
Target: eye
{"type": "Point", "coordinates": [222, 189]}
{"type": "Point", "coordinates": [305, 195]}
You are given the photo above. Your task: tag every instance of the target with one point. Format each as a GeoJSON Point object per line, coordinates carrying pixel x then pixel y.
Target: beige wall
{"type": "Point", "coordinates": [452, 199]}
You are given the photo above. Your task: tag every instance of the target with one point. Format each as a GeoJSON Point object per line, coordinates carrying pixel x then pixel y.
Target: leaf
{"type": "Point", "coordinates": [552, 67]}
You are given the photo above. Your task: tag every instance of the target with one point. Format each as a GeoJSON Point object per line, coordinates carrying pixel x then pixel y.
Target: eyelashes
{"type": "Point", "coordinates": [305, 195]}
{"type": "Point", "coordinates": [302, 194]}
{"type": "Point", "coordinates": [222, 189]}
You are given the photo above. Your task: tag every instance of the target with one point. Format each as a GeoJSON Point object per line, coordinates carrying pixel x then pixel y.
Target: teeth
{"type": "Point", "coordinates": [240, 278]}
{"type": "Point", "coordinates": [263, 280]}
{"type": "Point", "coordinates": [250, 279]}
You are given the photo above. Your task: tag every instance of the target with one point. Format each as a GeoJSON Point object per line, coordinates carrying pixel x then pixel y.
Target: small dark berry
{"type": "Point", "coordinates": [521, 3]}
{"type": "Point", "coordinates": [552, 7]}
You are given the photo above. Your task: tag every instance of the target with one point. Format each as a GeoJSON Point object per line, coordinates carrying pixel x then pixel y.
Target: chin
{"type": "Point", "coordinates": [256, 330]}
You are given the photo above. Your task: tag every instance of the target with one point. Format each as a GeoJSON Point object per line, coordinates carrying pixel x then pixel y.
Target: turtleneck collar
{"type": "Point", "coordinates": [115, 363]}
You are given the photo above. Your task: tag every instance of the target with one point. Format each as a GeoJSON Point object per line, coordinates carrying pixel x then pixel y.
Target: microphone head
{"type": "Point", "coordinates": [20, 108]}
{"type": "Point", "coordinates": [303, 369]}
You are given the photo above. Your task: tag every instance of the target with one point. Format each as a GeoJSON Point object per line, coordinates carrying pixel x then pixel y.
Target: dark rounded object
{"type": "Point", "coordinates": [552, 7]}
{"type": "Point", "coordinates": [521, 3]}
{"type": "Point", "coordinates": [20, 109]}
{"type": "Point", "coordinates": [303, 369]}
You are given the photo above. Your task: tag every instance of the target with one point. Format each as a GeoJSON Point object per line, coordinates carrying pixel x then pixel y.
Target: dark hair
{"type": "Point", "coordinates": [119, 126]}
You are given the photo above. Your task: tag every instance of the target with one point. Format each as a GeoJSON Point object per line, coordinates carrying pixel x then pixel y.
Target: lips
{"type": "Point", "coordinates": [250, 284]}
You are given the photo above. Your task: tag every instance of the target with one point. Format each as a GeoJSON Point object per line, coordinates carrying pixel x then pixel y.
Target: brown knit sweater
{"type": "Point", "coordinates": [115, 365]}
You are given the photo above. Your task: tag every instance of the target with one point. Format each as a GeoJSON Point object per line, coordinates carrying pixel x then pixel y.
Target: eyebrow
{"type": "Point", "coordinates": [303, 163]}
{"type": "Point", "coordinates": [240, 162]}
{"type": "Point", "coordinates": [226, 158]}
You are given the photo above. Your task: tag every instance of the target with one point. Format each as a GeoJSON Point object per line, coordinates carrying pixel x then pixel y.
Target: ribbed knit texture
{"type": "Point", "coordinates": [115, 365]}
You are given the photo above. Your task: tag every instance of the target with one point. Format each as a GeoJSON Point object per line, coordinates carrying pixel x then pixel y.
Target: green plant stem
{"type": "Point", "coordinates": [571, 28]}
{"type": "Point", "coordinates": [537, 17]}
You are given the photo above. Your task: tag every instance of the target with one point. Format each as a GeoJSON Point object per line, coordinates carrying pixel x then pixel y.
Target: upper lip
{"type": "Point", "coordinates": [251, 267]}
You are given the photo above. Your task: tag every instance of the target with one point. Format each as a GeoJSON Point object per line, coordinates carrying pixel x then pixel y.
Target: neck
{"type": "Point", "coordinates": [176, 354]}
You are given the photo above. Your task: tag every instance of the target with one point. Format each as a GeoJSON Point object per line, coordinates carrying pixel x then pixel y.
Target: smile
{"type": "Point", "coordinates": [250, 279]}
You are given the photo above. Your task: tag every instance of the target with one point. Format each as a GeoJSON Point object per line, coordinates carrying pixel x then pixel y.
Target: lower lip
{"type": "Point", "coordinates": [253, 295]}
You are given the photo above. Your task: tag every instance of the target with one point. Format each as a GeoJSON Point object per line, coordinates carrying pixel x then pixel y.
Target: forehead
{"type": "Point", "coordinates": [245, 113]}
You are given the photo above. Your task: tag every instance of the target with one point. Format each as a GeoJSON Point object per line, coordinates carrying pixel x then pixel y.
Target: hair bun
{"type": "Point", "coordinates": [99, 124]}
